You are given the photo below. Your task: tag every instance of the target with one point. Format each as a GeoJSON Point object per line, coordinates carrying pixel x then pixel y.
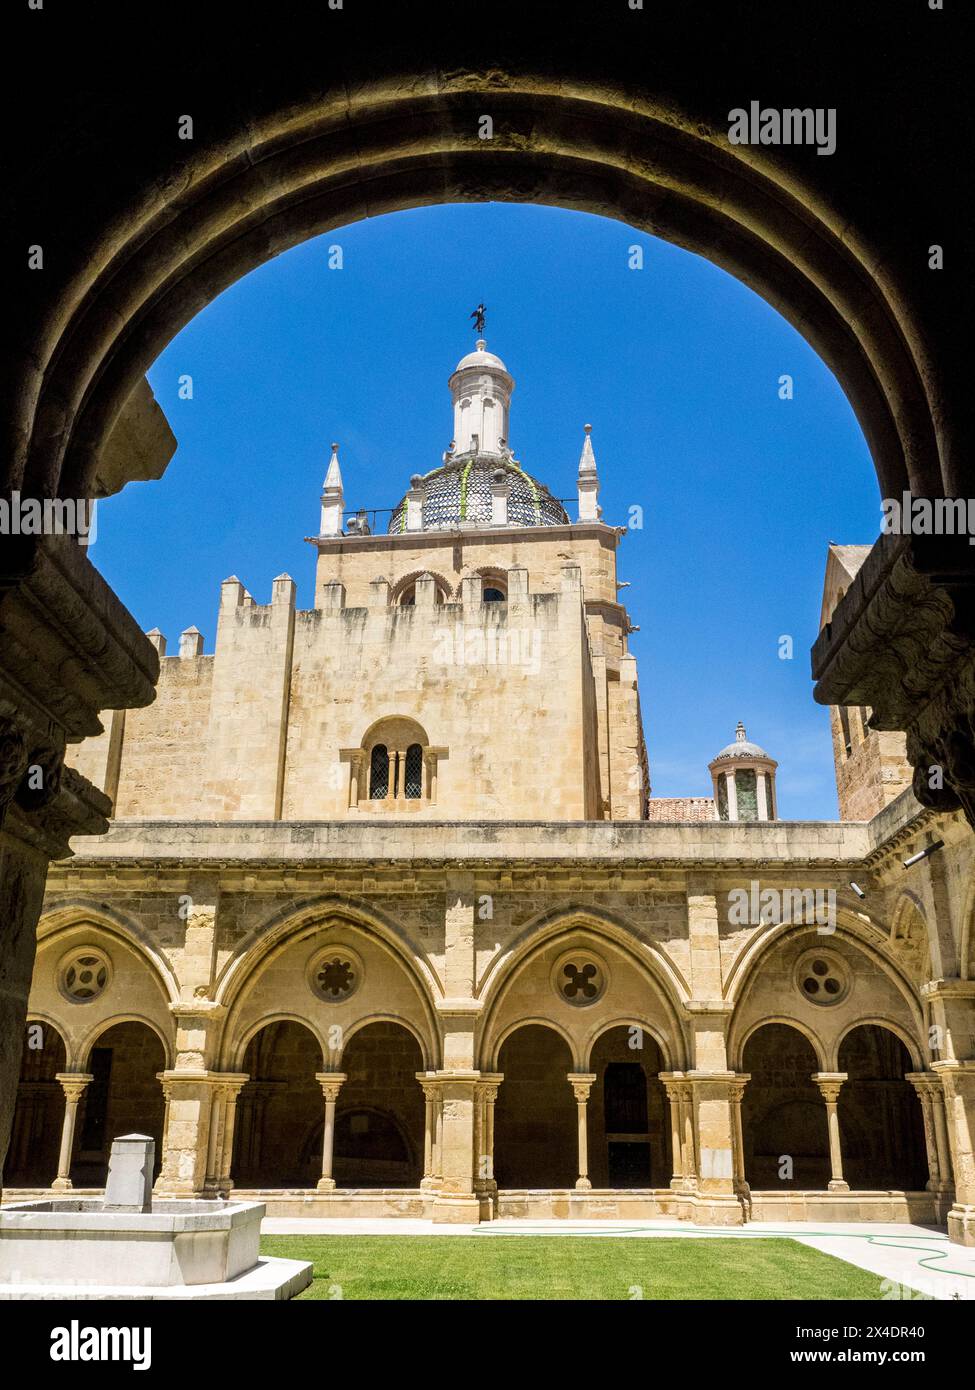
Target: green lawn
{"type": "Point", "coordinates": [571, 1267]}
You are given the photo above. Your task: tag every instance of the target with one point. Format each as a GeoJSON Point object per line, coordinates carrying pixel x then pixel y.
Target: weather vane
{"type": "Point", "coordinates": [478, 317]}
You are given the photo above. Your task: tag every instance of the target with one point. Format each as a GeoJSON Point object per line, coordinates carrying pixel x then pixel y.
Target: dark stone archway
{"type": "Point", "coordinates": [339, 115]}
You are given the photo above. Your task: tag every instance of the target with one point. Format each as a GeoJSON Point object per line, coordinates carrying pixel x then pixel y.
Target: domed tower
{"type": "Point", "coordinates": [480, 626]}
{"type": "Point", "coordinates": [744, 780]}
{"type": "Point", "coordinates": [480, 482]}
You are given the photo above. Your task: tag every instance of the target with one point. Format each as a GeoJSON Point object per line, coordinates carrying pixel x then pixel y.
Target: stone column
{"type": "Point", "coordinates": [357, 778]}
{"type": "Point", "coordinates": [581, 1083]}
{"type": "Point", "coordinates": [430, 766]}
{"type": "Point", "coordinates": [73, 1085]}
{"type": "Point", "coordinates": [737, 1095]}
{"type": "Point", "coordinates": [456, 1200]}
{"type": "Point", "coordinates": [331, 1084]}
{"type": "Point", "coordinates": [711, 1111]}
{"type": "Point", "coordinates": [672, 1086]}
{"type": "Point", "coordinates": [958, 1079]}
{"type": "Point", "coordinates": [231, 1091]}
{"type": "Point", "coordinates": [490, 1094]}
{"type": "Point", "coordinates": [431, 1116]}
{"type": "Point", "coordinates": [926, 1084]}
{"type": "Point", "coordinates": [685, 1094]}
{"type": "Point", "coordinates": [829, 1084]}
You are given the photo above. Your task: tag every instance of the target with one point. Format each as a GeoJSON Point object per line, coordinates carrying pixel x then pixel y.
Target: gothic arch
{"type": "Point", "coordinates": [405, 1023]}
{"type": "Point", "coordinates": [543, 928]}
{"type": "Point", "coordinates": [289, 928]}
{"type": "Point", "coordinates": [270, 935]}
{"type": "Point", "coordinates": [535, 939]}
{"type": "Point", "coordinates": [70, 913]}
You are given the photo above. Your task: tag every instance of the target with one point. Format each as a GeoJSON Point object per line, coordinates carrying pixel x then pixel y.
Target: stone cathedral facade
{"type": "Point", "coordinates": [388, 921]}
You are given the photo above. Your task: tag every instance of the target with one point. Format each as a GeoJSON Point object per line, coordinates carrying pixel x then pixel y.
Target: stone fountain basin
{"type": "Point", "coordinates": [79, 1242]}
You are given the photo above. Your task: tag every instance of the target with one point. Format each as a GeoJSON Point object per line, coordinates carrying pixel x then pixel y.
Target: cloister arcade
{"type": "Point", "coordinates": [327, 1074]}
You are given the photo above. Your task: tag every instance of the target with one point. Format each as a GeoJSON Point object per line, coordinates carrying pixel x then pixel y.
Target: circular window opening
{"type": "Point", "coordinates": [579, 978]}
{"type": "Point", "coordinates": [821, 978]}
{"type": "Point", "coordinates": [335, 974]}
{"type": "Point", "coordinates": [84, 975]}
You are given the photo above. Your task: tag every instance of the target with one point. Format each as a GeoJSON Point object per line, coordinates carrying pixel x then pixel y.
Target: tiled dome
{"type": "Point", "coordinates": [458, 495]}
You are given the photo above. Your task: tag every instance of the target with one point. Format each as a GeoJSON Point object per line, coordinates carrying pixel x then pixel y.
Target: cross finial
{"type": "Point", "coordinates": [478, 317]}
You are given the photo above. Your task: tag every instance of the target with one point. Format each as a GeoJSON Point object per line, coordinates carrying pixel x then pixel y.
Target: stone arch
{"type": "Point", "coordinates": [751, 979]}
{"type": "Point", "coordinates": [628, 1021]}
{"type": "Point", "coordinates": [532, 1022]}
{"type": "Point", "coordinates": [535, 1141]}
{"type": "Point", "coordinates": [35, 1138]}
{"type": "Point", "coordinates": [280, 1107]}
{"type": "Point", "coordinates": [911, 1045]}
{"type": "Point", "coordinates": [443, 588]}
{"type": "Point", "coordinates": [881, 1126]}
{"type": "Point", "coordinates": [628, 1114]}
{"type": "Point", "coordinates": [379, 1115]}
{"type": "Point", "coordinates": [397, 985]}
{"type": "Point", "coordinates": [851, 922]}
{"type": "Point", "coordinates": [286, 175]}
{"type": "Point", "coordinates": [783, 1114]}
{"type": "Point", "coordinates": [400, 1022]}
{"type": "Point", "coordinates": [236, 1059]}
{"type": "Point", "coordinates": [603, 933]}
{"type": "Point", "coordinates": [124, 1056]}
{"type": "Point", "coordinates": [819, 1048]}
{"type": "Point", "coordinates": [909, 940]}
{"type": "Point", "coordinates": [69, 913]}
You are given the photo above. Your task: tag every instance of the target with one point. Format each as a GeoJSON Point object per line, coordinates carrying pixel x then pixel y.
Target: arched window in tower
{"type": "Point", "coordinates": [845, 727]}
{"type": "Point", "coordinates": [746, 791]}
{"type": "Point", "coordinates": [379, 773]}
{"type": "Point", "coordinates": [493, 595]}
{"type": "Point", "coordinates": [413, 781]}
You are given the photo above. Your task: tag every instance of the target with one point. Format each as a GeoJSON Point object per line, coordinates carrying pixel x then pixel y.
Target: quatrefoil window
{"type": "Point", "coordinates": [579, 978]}
{"type": "Point", "coordinates": [84, 974]}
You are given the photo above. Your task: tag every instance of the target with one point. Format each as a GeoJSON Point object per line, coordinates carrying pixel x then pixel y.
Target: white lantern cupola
{"type": "Point", "coordinates": [480, 388]}
{"type": "Point", "coordinates": [744, 781]}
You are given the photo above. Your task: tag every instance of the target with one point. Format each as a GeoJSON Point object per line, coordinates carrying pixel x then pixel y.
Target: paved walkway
{"type": "Point", "coordinates": [913, 1259]}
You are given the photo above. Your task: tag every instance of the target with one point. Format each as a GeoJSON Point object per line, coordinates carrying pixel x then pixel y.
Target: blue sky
{"type": "Point", "coordinates": [675, 365]}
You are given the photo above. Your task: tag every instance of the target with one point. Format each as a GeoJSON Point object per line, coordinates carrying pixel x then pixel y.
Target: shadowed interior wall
{"type": "Point", "coordinates": [881, 1127]}
{"type": "Point", "coordinates": [281, 1109]}
{"type": "Point", "coordinates": [32, 1160]}
{"type": "Point", "coordinates": [783, 1113]}
{"type": "Point", "coordinates": [535, 1143]}
{"type": "Point", "coordinates": [125, 1097]}
{"type": "Point", "coordinates": [379, 1117]}
{"type": "Point", "coordinates": [628, 1113]}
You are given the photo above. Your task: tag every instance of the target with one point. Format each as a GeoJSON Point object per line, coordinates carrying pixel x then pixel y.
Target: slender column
{"type": "Point", "coordinates": [737, 1092]}
{"type": "Point", "coordinates": [925, 1084]}
{"type": "Point", "coordinates": [73, 1085]}
{"type": "Point", "coordinates": [941, 1136]}
{"type": "Point", "coordinates": [231, 1091]}
{"type": "Point", "coordinates": [331, 1084]}
{"type": "Point", "coordinates": [356, 780]}
{"type": "Point", "coordinates": [438, 1137]}
{"type": "Point", "coordinates": [581, 1083]}
{"type": "Point", "coordinates": [490, 1096]}
{"type": "Point", "coordinates": [829, 1084]}
{"type": "Point", "coordinates": [430, 764]}
{"type": "Point", "coordinates": [217, 1107]}
{"type": "Point", "coordinates": [431, 1101]}
{"type": "Point", "coordinates": [689, 1148]}
{"type": "Point", "coordinates": [676, 1143]}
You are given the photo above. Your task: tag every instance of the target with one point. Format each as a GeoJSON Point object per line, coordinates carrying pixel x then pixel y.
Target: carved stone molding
{"type": "Point", "coordinates": [902, 640]}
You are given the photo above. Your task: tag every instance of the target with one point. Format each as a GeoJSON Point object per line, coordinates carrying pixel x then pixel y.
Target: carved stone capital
{"type": "Point", "coordinates": [902, 640]}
